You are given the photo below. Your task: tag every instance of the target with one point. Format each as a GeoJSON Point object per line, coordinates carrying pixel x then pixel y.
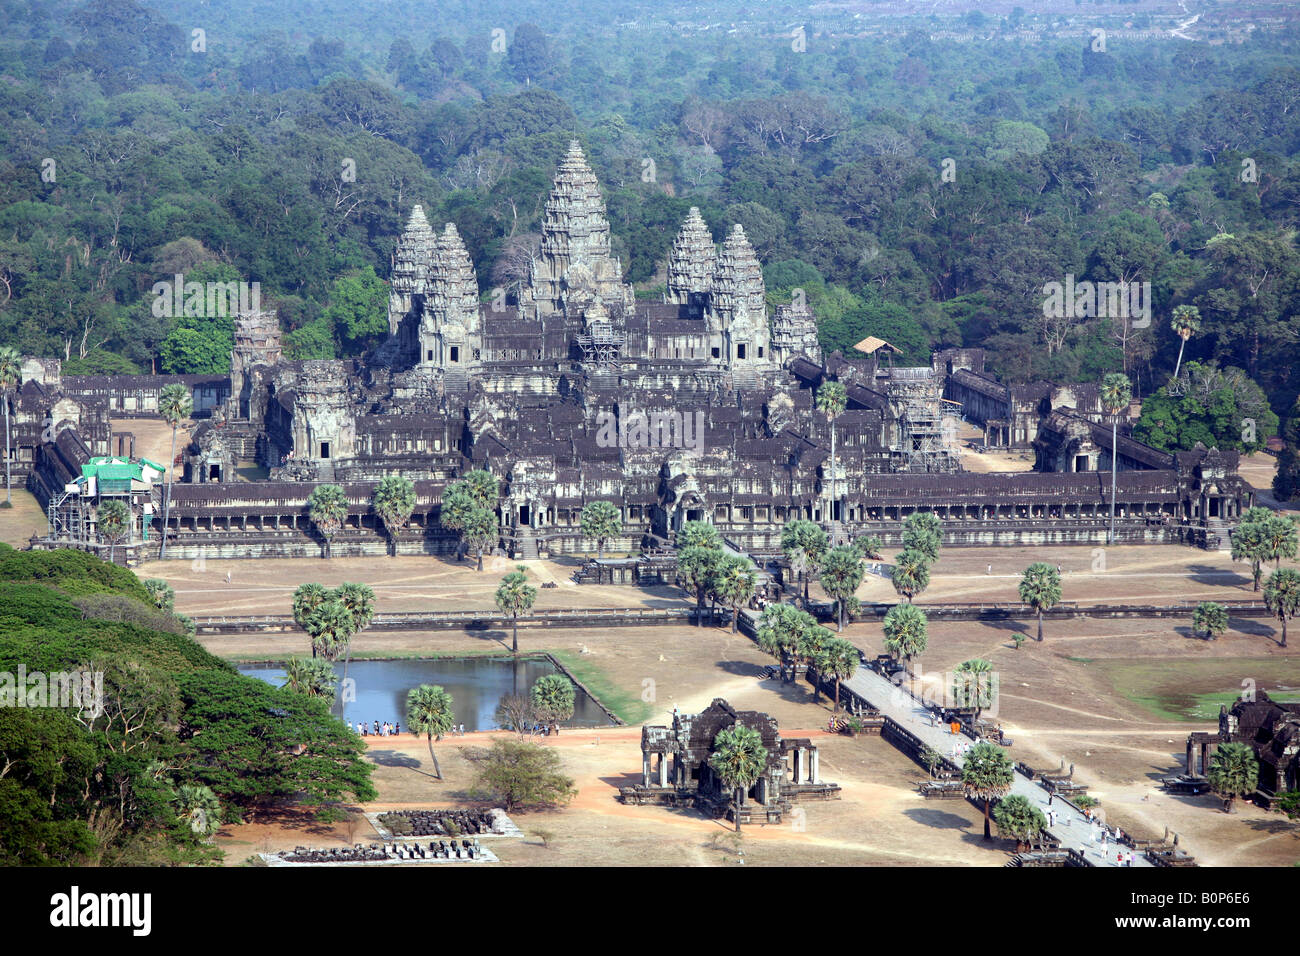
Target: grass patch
{"type": "Point", "coordinates": [1194, 690]}
{"type": "Point", "coordinates": [1081, 660]}
{"type": "Point", "coordinates": [627, 705]}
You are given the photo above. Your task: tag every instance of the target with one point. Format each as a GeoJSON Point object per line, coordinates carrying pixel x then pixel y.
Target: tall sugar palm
{"type": "Point", "coordinates": [327, 507]}
{"type": "Point", "coordinates": [600, 520]}
{"type": "Point", "coordinates": [11, 373]}
{"type": "Point", "coordinates": [1116, 395]}
{"type": "Point", "coordinates": [911, 574]}
{"type": "Point", "coordinates": [906, 631]}
{"type": "Point", "coordinates": [393, 502]}
{"type": "Point", "coordinates": [696, 566]}
{"type": "Point", "coordinates": [839, 661]}
{"type": "Point", "coordinates": [779, 628]}
{"type": "Point", "coordinates": [733, 583]}
{"type": "Point", "coordinates": [1282, 596]}
{"type": "Point", "coordinates": [359, 599]}
{"type": "Point", "coordinates": [1233, 772]}
{"type": "Point", "coordinates": [516, 596]}
{"type": "Point", "coordinates": [113, 519]}
{"type": "Point", "coordinates": [810, 647]}
{"type": "Point", "coordinates": [698, 534]}
{"type": "Point", "coordinates": [1281, 538]}
{"type": "Point", "coordinates": [554, 697]}
{"type": "Point", "coordinates": [987, 773]}
{"type": "Point", "coordinates": [841, 575]}
{"type": "Point", "coordinates": [804, 544]}
{"type": "Point", "coordinates": [974, 685]}
{"type": "Point", "coordinates": [738, 759]}
{"type": "Point", "coordinates": [1186, 323]}
{"type": "Point", "coordinates": [923, 532]}
{"type": "Point", "coordinates": [310, 676]}
{"type": "Point", "coordinates": [1250, 543]}
{"type": "Point", "coordinates": [429, 712]}
{"type": "Point", "coordinates": [832, 399]}
{"type": "Point", "coordinates": [1210, 618]}
{"type": "Point", "coordinates": [306, 599]}
{"type": "Point", "coordinates": [330, 627]}
{"type": "Point", "coordinates": [1040, 588]}
{"type": "Point", "coordinates": [1019, 819]}
{"type": "Point", "coordinates": [174, 405]}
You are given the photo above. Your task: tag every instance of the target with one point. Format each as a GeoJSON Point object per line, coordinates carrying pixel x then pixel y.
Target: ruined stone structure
{"type": "Point", "coordinates": [699, 406]}
{"type": "Point", "coordinates": [676, 771]}
{"type": "Point", "coordinates": [1270, 729]}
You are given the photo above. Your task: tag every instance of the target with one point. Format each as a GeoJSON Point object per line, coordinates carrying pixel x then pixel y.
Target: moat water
{"type": "Point", "coordinates": [476, 685]}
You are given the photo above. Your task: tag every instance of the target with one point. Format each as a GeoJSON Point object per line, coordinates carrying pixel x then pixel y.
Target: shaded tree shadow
{"type": "Point", "coordinates": [940, 820]}
{"type": "Point", "coordinates": [391, 758]}
{"type": "Point", "coordinates": [742, 668]}
{"type": "Point", "coordinates": [1255, 628]}
{"type": "Point", "coordinates": [1274, 826]}
{"type": "Point", "coordinates": [1009, 625]}
{"type": "Point", "coordinates": [1207, 574]}
{"type": "Point", "coordinates": [623, 780]}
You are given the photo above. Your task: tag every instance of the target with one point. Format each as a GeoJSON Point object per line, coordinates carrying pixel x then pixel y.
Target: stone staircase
{"type": "Point", "coordinates": [455, 380]}
{"type": "Point", "coordinates": [525, 544]}
{"type": "Point", "coordinates": [1217, 528]}
{"type": "Point", "coordinates": [325, 471]}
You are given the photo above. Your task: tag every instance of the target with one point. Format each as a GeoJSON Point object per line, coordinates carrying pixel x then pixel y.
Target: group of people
{"type": "Point", "coordinates": [376, 729]}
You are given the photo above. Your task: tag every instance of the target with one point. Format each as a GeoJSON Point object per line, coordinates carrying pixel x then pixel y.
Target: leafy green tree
{"type": "Point", "coordinates": [429, 711]}
{"type": "Point", "coordinates": [733, 583]}
{"type": "Point", "coordinates": [1282, 596]}
{"type": "Point", "coordinates": [1233, 772]}
{"type": "Point", "coordinates": [357, 310]}
{"type": "Point", "coordinates": [974, 684]}
{"type": "Point", "coordinates": [738, 759]}
{"type": "Point", "coordinates": [931, 759]}
{"type": "Point", "coordinates": [839, 661]}
{"type": "Point", "coordinates": [697, 565]}
{"type": "Point", "coordinates": [162, 593]}
{"type": "Point", "coordinates": [871, 547]}
{"type": "Point", "coordinates": [1210, 619]}
{"type": "Point", "coordinates": [1219, 408]}
{"type": "Point", "coordinates": [521, 775]}
{"type": "Point", "coordinates": [1116, 395]}
{"type": "Point", "coordinates": [1040, 588]}
{"type": "Point", "coordinates": [554, 698]}
{"type": "Point", "coordinates": [311, 676]}
{"type": "Point", "coordinates": [832, 399]}
{"type": "Point", "coordinates": [1185, 323]}
{"type": "Point", "coordinates": [906, 631]}
{"type": "Point", "coordinates": [393, 502]}
{"type": "Point", "coordinates": [911, 574]}
{"type": "Point", "coordinates": [175, 404]}
{"type": "Point", "coordinates": [327, 508]}
{"type": "Point", "coordinates": [923, 532]}
{"type": "Point", "coordinates": [841, 575]}
{"type": "Point", "coordinates": [11, 372]}
{"type": "Point", "coordinates": [987, 774]}
{"type": "Point", "coordinates": [516, 596]}
{"type": "Point", "coordinates": [1019, 819]}
{"type": "Point", "coordinates": [600, 520]}
{"type": "Point", "coordinates": [113, 520]}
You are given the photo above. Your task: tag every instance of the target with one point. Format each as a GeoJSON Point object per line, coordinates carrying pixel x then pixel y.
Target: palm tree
{"type": "Point", "coordinates": [516, 596]}
{"type": "Point", "coordinates": [870, 547]}
{"type": "Point", "coordinates": [328, 509]}
{"type": "Point", "coordinates": [696, 565]}
{"type": "Point", "coordinates": [973, 685]}
{"type": "Point", "coordinates": [779, 628]}
{"type": "Point", "coordinates": [600, 520]}
{"type": "Point", "coordinates": [330, 627]}
{"type": "Point", "coordinates": [1233, 772]}
{"type": "Point", "coordinates": [175, 404]}
{"type": "Point", "coordinates": [306, 599]}
{"type": "Point", "coordinates": [554, 698]}
{"type": "Point", "coordinates": [1116, 395]}
{"type": "Point", "coordinates": [733, 582]}
{"type": "Point", "coordinates": [1186, 323]}
{"type": "Point", "coordinates": [1210, 618]}
{"type": "Point", "coordinates": [11, 373]}
{"type": "Point", "coordinates": [113, 519]}
{"type": "Point", "coordinates": [1280, 538]}
{"type": "Point", "coordinates": [1040, 588]}
{"type": "Point", "coordinates": [841, 575]}
{"type": "Point", "coordinates": [802, 541]}
{"type": "Point", "coordinates": [905, 628]}
{"type": "Point", "coordinates": [810, 647]}
{"type": "Point", "coordinates": [832, 399]}
{"type": "Point", "coordinates": [359, 599]}
{"type": "Point", "coordinates": [911, 574]}
{"type": "Point", "coordinates": [394, 501]}
{"type": "Point", "coordinates": [480, 532]}
{"type": "Point", "coordinates": [987, 773]}
{"type": "Point", "coordinates": [429, 712]}
{"type": "Point", "coordinates": [923, 532]}
{"type": "Point", "coordinates": [310, 676]}
{"type": "Point", "coordinates": [738, 759]}
{"type": "Point", "coordinates": [698, 534]}
{"type": "Point", "coordinates": [1016, 817]}
{"type": "Point", "coordinates": [839, 661]}
{"type": "Point", "coordinates": [1282, 596]}
{"type": "Point", "coordinates": [931, 759]}
{"type": "Point", "coordinates": [199, 808]}
{"type": "Point", "coordinates": [1249, 543]}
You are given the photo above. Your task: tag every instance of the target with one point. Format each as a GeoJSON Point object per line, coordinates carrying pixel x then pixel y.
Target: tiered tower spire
{"type": "Point", "coordinates": [450, 327]}
{"type": "Point", "coordinates": [411, 262]}
{"type": "Point", "coordinates": [693, 262]}
{"type": "Point", "coordinates": [738, 307]}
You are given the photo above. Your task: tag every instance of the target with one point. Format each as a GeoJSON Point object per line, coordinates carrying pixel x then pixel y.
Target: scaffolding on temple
{"type": "Point", "coordinates": [927, 436]}
{"type": "Point", "coordinates": [602, 345]}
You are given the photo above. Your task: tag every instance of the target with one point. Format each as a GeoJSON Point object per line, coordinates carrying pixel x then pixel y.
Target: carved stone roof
{"type": "Point", "coordinates": [693, 261]}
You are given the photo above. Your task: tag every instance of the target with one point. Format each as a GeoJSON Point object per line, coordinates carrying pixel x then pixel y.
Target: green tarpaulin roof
{"type": "Point", "coordinates": [111, 469]}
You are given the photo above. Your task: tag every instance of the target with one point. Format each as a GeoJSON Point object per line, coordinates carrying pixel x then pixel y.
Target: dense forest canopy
{"type": "Point", "coordinates": [920, 179]}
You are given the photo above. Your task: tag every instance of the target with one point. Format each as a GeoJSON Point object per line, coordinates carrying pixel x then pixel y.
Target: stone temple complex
{"type": "Point", "coordinates": [696, 406]}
